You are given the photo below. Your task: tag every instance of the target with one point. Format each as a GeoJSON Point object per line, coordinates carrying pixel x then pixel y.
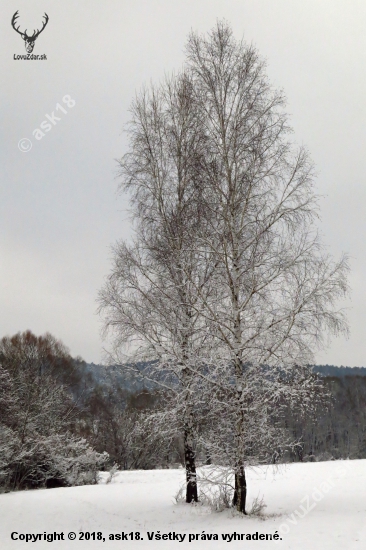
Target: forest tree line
{"type": "Point", "coordinates": [61, 419]}
{"type": "Point", "coordinates": [338, 432]}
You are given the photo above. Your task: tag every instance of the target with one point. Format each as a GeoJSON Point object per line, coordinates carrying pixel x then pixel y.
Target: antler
{"type": "Point", "coordinates": [43, 26]}
{"type": "Point", "coordinates": [13, 21]}
{"type": "Point", "coordinates": [24, 34]}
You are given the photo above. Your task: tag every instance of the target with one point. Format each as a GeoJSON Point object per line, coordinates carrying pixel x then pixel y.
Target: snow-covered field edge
{"type": "Point", "coordinates": [314, 505]}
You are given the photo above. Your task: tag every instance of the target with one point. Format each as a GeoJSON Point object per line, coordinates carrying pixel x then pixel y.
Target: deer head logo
{"type": "Point", "coordinates": [28, 40]}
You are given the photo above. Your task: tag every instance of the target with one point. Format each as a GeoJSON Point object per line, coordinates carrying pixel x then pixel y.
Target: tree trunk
{"type": "Point", "coordinates": [189, 452]}
{"type": "Point", "coordinates": [240, 493]}
{"type": "Point", "coordinates": [190, 462]}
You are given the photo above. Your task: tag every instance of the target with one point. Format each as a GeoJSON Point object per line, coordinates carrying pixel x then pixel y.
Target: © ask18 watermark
{"type": "Point", "coordinates": [25, 144]}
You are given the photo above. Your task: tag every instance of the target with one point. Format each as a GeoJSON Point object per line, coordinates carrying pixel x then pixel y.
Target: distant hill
{"type": "Point", "coordinates": [116, 375]}
{"type": "Point", "coordinates": [339, 372]}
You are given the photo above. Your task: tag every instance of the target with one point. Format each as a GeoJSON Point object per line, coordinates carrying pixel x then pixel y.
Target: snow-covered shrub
{"type": "Point", "coordinates": [37, 415]}
{"type": "Point", "coordinates": [257, 507]}
{"type": "Point", "coordinates": [7, 451]}
{"type": "Point", "coordinates": [217, 497]}
{"type": "Point", "coordinates": [134, 438]}
{"type": "Point", "coordinates": [58, 460]}
{"type": "Point", "coordinates": [112, 473]}
{"type": "Point", "coordinates": [216, 488]}
{"type": "Point", "coordinates": [180, 494]}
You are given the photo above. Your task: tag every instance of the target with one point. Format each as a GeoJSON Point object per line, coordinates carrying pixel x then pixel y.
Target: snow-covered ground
{"type": "Point", "coordinates": [311, 506]}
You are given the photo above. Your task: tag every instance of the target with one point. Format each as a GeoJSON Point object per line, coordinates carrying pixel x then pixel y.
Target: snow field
{"type": "Point", "coordinates": [317, 506]}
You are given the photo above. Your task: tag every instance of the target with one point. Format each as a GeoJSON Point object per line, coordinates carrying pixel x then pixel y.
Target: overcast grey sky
{"type": "Point", "coordinates": [59, 212]}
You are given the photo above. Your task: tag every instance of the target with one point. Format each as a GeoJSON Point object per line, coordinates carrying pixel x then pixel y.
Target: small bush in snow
{"type": "Point", "coordinates": [112, 473]}
{"type": "Point", "coordinates": [257, 507]}
{"type": "Point", "coordinates": [180, 494]}
{"type": "Point", "coordinates": [59, 460]}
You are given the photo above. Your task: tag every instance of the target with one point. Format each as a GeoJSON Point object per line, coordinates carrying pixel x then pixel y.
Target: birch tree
{"type": "Point", "coordinates": [226, 288]}
{"type": "Point", "coordinates": [150, 299]}
{"type": "Point", "coordinates": [275, 287]}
